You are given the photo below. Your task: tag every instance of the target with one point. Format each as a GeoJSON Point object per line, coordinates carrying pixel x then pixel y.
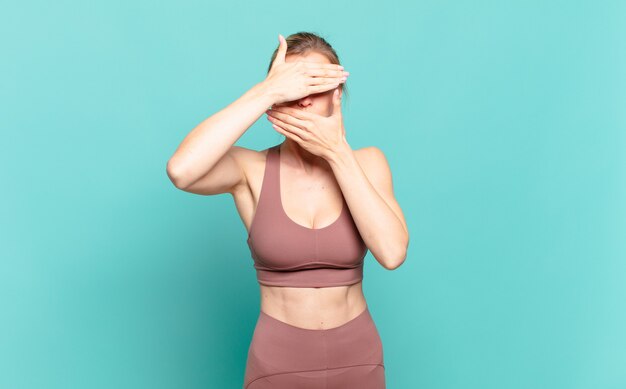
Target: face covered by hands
{"type": "Point", "coordinates": [316, 133]}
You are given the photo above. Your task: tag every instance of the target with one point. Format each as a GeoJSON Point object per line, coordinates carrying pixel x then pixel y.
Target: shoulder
{"type": "Point", "coordinates": [250, 162]}
{"type": "Point", "coordinates": [376, 168]}
{"type": "Point", "coordinates": [245, 154]}
{"type": "Point", "coordinates": [373, 161]}
{"type": "Point", "coordinates": [247, 158]}
{"type": "Point", "coordinates": [371, 152]}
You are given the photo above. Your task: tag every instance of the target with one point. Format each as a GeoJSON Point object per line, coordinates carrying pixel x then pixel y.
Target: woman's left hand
{"type": "Point", "coordinates": [317, 134]}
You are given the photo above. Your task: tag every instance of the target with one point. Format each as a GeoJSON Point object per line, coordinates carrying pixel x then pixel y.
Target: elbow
{"type": "Point", "coordinates": [394, 262]}
{"type": "Point", "coordinates": [395, 254]}
{"type": "Point", "coordinates": [175, 175]}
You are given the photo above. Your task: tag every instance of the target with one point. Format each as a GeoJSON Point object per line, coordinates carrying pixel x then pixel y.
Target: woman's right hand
{"type": "Point", "coordinates": [290, 81]}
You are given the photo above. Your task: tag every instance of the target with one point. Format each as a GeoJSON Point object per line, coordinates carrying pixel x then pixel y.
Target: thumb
{"type": "Point", "coordinates": [336, 102]}
{"type": "Point", "coordinates": [282, 50]}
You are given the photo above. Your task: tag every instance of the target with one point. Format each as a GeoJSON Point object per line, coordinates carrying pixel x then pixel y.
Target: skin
{"type": "Point", "coordinates": [317, 167]}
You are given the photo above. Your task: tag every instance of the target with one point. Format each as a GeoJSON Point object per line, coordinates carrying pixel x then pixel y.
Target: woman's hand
{"type": "Point", "coordinates": [318, 134]}
{"type": "Point", "coordinates": [290, 81]}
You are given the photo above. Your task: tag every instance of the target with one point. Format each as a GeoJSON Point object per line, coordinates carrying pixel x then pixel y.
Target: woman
{"type": "Point", "coordinates": [314, 329]}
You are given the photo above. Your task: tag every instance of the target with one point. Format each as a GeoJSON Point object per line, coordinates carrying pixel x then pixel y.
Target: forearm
{"type": "Point", "coordinates": [207, 143]}
{"type": "Point", "coordinates": [381, 229]}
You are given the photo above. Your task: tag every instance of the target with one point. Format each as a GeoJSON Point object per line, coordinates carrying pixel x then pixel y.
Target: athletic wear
{"type": "Point", "coordinates": [282, 356]}
{"type": "Point", "coordinates": [286, 253]}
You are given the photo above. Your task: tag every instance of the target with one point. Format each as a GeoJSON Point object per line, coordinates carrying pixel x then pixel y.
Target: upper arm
{"type": "Point", "coordinates": [376, 168]}
{"type": "Point", "coordinates": [225, 177]}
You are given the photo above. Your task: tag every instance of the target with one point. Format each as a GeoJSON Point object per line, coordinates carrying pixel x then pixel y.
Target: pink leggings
{"type": "Point", "coordinates": [285, 356]}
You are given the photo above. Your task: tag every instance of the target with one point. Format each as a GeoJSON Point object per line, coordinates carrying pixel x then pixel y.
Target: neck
{"type": "Point", "coordinates": [303, 159]}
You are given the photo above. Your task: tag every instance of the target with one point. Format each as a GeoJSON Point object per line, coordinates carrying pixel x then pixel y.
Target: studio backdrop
{"type": "Point", "coordinates": [504, 124]}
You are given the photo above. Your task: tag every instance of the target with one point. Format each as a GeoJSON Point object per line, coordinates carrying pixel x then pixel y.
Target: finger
{"type": "Point", "coordinates": [288, 134]}
{"type": "Point", "coordinates": [326, 80]}
{"type": "Point", "coordinates": [323, 72]}
{"type": "Point", "coordinates": [273, 116]}
{"type": "Point", "coordinates": [321, 88]}
{"type": "Point", "coordinates": [282, 50]}
{"type": "Point", "coordinates": [317, 65]}
{"type": "Point", "coordinates": [301, 132]}
{"type": "Point", "coordinates": [297, 113]}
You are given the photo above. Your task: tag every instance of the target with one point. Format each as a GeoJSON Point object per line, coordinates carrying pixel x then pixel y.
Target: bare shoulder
{"type": "Point", "coordinates": [251, 163]}
{"type": "Point", "coordinates": [231, 173]}
{"type": "Point", "coordinates": [373, 161]}
{"type": "Point", "coordinates": [245, 156]}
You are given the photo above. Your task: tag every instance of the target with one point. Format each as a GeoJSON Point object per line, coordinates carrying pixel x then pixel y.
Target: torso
{"type": "Point", "coordinates": [310, 308]}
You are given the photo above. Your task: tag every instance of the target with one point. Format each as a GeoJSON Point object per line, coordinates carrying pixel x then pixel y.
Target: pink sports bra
{"type": "Point", "coordinates": [286, 253]}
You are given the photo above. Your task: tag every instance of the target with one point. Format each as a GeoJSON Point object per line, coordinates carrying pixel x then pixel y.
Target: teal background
{"type": "Point", "coordinates": [504, 124]}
